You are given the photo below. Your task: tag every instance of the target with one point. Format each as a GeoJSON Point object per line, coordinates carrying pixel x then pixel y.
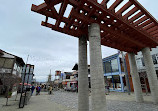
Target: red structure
{"type": "Point", "coordinates": [130, 32]}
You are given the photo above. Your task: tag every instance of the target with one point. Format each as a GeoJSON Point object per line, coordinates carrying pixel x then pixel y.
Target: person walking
{"type": "Point", "coordinates": [37, 89]}
{"type": "Point", "coordinates": [50, 90]}
{"type": "Point", "coordinates": [32, 89]}
{"type": "Point", "coordinates": [45, 87]}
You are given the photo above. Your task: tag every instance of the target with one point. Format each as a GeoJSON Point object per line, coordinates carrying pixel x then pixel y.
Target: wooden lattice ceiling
{"type": "Point", "coordinates": [129, 29]}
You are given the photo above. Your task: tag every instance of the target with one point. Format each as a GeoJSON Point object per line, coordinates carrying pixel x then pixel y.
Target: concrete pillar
{"type": "Point", "coordinates": [135, 78]}
{"type": "Point", "coordinates": [83, 92]}
{"type": "Point", "coordinates": [152, 77]}
{"type": "Point", "coordinates": [96, 69]}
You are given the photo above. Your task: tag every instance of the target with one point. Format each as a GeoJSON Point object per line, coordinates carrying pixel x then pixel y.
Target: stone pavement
{"type": "Point", "coordinates": [67, 101]}
{"type": "Point", "coordinates": [116, 101]}
{"type": "Point", "coordinates": [37, 103]}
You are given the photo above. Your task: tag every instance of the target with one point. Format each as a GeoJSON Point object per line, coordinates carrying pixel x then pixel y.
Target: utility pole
{"type": "Point", "coordinates": [126, 73]}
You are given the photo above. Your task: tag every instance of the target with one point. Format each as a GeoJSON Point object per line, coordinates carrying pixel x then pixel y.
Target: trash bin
{"type": "Point", "coordinates": [28, 96]}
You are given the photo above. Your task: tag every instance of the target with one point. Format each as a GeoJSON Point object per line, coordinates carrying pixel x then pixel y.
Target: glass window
{"type": "Point", "coordinates": [143, 61]}
{"type": "Point", "coordinates": [2, 60]}
{"type": "Point", "coordinates": [114, 65]}
{"type": "Point", "coordinates": [104, 67]}
{"type": "Point", "coordinates": [27, 67]}
{"type": "Point", "coordinates": [156, 55]}
{"type": "Point", "coordinates": [67, 77]}
{"type": "Point", "coordinates": [139, 63]}
{"type": "Point", "coordinates": [19, 68]}
{"type": "Point", "coordinates": [108, 67]}
{"type": "Point", "coordinates": [15, 66]}
{"type": "Point", "coordinates": [154, 59]}
{"type": "Point", "coordinates": [9, 63]}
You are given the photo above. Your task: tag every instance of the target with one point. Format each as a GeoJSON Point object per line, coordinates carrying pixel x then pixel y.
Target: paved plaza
{"type": "Point", "coordinates": [116, 101]}
{"type": "Point", "coordinates": [67, 101]}
{"type": "Point", "coordinates": [37, 103]}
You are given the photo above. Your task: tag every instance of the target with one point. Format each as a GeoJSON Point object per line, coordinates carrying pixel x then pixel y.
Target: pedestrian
{"type": "Point", "coordinates": [50, 90]}
{"type": "Point", "coordinates": [37, 90]}
{"type": "Point", "coordinates": [45, 87]}
{"type": "Point", "coordinates": [32, 89]}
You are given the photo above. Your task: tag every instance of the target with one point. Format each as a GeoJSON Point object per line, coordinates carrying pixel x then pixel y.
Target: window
{"type": "Point", "coordinates": [2, 60]}
{"type": "Point", "coordinates": [114, 65]}
{"type": "Point", "coordinates": [143, 61]}
{"type": "Point", "coordinates": [139, 63]}
{"type": "Point", "coordinates": [104, 67]}
{"type": "Point", "coordinates": [9, 63]}
{"type": "Point", "coordinates": [154, 59]}
{"type": "Point", "coordinates": [108, 67]}
{"type": "Point", "coordinates": [67, 77]}
{"type": "Point", "coordinates": [27, 68]}
{"type": "Point", "coordinates": [15, 66]}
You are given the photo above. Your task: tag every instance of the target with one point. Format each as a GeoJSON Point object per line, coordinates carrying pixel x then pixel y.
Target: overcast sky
{"type": "Point", "coordinates": [21, 34]}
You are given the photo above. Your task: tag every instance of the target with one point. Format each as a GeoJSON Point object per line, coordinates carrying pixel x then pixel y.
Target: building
{"type": "Point", "coordinates": [140, 60]}
{"type": "Point", "coordinates": [28, 73]}
{"type": "Point", "coordinates": [75, 73]}
{"type": "Point", "coordinates": [10, 71]}
{"type": "Point", "coordinates": [142, 70]}
{"type": "Point", "coordinates": [114, 72]}
{"type": "Point", "coordinates": [68, 80]}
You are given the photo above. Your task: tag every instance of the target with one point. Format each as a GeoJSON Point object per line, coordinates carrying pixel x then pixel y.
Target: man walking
{"type": "Point", "coordinates": [32, 89]}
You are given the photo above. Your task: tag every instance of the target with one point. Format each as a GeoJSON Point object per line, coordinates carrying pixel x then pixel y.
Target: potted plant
{"type": "Point", "coordinates": [9, 94]}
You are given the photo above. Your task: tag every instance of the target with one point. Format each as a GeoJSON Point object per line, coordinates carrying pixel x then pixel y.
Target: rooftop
{"type": "Point", "coordinates": [18, 59]}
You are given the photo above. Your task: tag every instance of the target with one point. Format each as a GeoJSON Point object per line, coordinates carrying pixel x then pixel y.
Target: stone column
{"type": "Point", "coordinates": [83, 92]}
{"type": "Point", "coordinates": [152, 77]}
{"type": "Point", "coordinates": [96, 69]}
{"type": "Point", "coordinates": [135, 78]}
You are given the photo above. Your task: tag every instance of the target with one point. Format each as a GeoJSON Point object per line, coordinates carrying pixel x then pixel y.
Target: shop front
{"type": "Point", "coordinates": [114, 74]}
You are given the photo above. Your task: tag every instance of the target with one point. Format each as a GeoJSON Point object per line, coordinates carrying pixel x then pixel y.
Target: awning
{"type": "Point", "coordinates": [74, 82]}
{"type": "Point", "coordinates": [25, 84]}
{"type": "Point", "coordinates": [64, 83]}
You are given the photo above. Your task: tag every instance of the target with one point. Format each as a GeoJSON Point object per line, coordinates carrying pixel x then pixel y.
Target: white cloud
{"type": "Point", "coordinates": [22, 34]}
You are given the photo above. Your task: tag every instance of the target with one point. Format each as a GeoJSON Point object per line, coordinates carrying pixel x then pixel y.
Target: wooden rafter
{"type": "Point", "coordinates": [138, 30]}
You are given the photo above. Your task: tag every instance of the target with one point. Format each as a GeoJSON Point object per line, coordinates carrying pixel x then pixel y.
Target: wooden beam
{"type": "Point", "coordinates": [125, 7]}
{"type": "Point", "coordinates": [114, 5]}
{"type": "Point", "coordinates": [75, 33]}
{"type": "Point", "coordinates": [140, 20]}
{"type": "Point", "coordinates": [61, 12]}
{"type": "Point", "coordinates": [132, 11]}
{"type": "Point", "coordinates": [110, 30]}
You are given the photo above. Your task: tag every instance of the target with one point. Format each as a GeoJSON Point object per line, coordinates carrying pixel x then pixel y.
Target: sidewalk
{"type": "Point", "coordinates": [37, 103]}
{"type": "Point", "coordinates": [68, 101]}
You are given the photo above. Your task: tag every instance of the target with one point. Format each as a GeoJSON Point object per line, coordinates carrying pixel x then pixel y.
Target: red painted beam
{"type": "Point", "coordinates": [114, 5]}
{"type": "Point", "coordinates": [132, 11]}
{"type": "Point", "coordinates": [110, 30]}
{"type": "Point", "coordinates": [125, 7]}
{"type": "Point", "coordinates": [75, 33]}
{"type": "Point", "coordinates": [140, 20]}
